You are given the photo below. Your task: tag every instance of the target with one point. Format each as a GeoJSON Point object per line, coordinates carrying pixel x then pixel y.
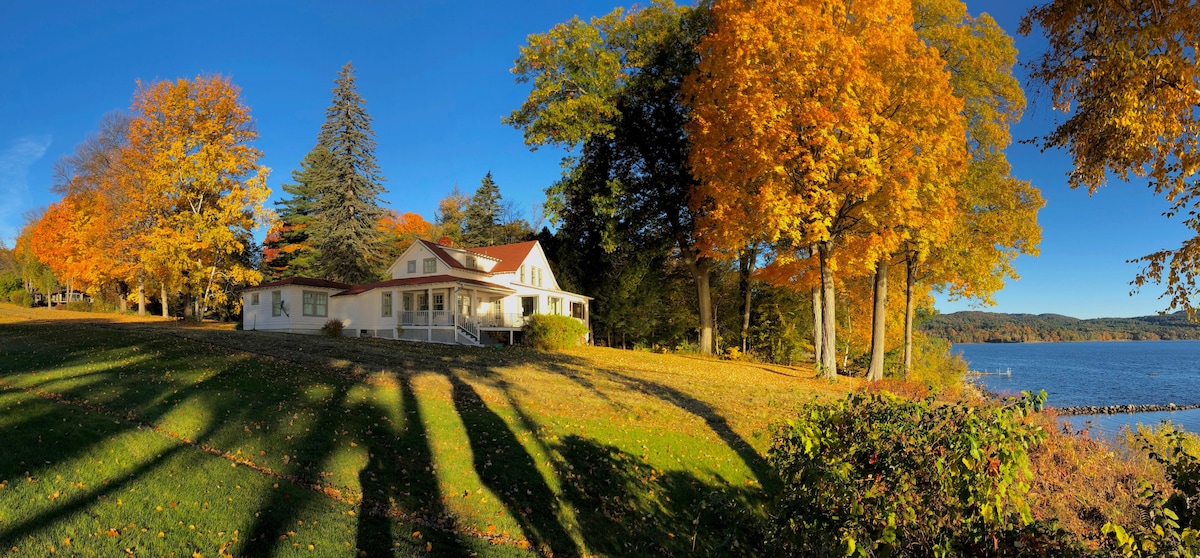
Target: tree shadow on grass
{"type": "Point", "coordinates": [400, 473]}
{"type": "Point", "coordinates": [627, 508]}
{"type": "Point", "coordinates": [510, 473]}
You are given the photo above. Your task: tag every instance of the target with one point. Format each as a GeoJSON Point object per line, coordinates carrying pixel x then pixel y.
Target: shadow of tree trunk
{"type": "Point", "coordinates": [511, 473]}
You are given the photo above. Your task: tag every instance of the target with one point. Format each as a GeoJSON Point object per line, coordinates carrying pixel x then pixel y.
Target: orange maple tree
{"type": "Point", "coordinates": [824, 126]}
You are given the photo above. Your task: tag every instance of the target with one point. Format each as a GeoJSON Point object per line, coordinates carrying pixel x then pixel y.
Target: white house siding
{"type": "Point", "coordinates": [362, 314]}
{"type": "Point", "coordinates": [259, 316]}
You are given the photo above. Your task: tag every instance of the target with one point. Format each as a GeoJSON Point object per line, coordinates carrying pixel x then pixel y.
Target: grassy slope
{"type": "Point", "coordinates": [154, 439]}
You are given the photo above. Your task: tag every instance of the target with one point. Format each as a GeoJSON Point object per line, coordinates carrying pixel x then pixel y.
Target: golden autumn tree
{"type": "Point", "coordinates": [827, 126]}
{"type": "Point", "coordinates": [190, 148]}
{"type": "Point", "coordinates": [1127, 75]}
{"type": "Point", "coordinates": [997, 214]}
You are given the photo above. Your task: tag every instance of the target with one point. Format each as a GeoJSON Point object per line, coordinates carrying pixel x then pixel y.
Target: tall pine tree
{"type": "Point", "coordinates": [290, 247]}
{"type": "Point", "coordinates": [482, 227]}
{"type": "Point", "coordinates": [347, 207]}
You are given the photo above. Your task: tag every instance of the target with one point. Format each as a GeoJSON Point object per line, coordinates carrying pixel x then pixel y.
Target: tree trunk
{"type": "Point", "coordinates": [878, 319]}
{"type": "Point", "coordinates": [745, 268]}
{"type": "Point", "coordinates": [700, 267]}
{"type": "Point", "coordinates": [828, 312]}
{"type": "Point", "coordinates": [165, 313]}
{"type": "Point", "coordinates": [908, 315]}
{"type": "Point", "coordinates": [141, 295]}
{"type": "Point", "coordinates": [818, 325]}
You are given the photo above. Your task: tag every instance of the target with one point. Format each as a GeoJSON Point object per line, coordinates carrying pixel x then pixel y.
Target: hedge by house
{"type": "Point", "coordinates": [553, 333]}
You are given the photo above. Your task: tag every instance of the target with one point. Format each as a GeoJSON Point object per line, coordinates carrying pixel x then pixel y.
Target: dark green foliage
{"type": "Point", "coordinates": [989, 327]}
{"type": "Point", "coordinates": [10, 281]}
{"type": "Point", "coordinates": [1172, 517]}
{"type": "Point", "coordinates": [333, 328]}
{"type": "Point", "coordinates": [20, 298]}
{"type": "Point", "coordinates": [292, 249]}
{"type": "Point", "coordinates": [876, 475]}
{"type": "Point", "coordinates": [482, 221]}
{"type": "Point", "coordinates": [347, 192]}
{"type": "Point", "coordinates": [553, 333]}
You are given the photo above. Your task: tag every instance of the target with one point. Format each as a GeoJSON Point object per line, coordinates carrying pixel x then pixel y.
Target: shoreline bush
{"type": "Point", "coordinates": [876, 474]}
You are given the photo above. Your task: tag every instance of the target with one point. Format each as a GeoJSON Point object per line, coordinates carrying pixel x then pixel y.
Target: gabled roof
{"type": "Point", "coordinates": [303, 282]}
{"type": "Point", "coordinates": [510, 255]}
{"type": "Point", "coordinates": [428, 280]}
{"type": "Point", "coordinates": [446, 258]}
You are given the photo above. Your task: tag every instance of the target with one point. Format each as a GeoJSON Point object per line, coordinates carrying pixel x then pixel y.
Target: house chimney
{"type": "Point", "coordinates": [446, 241]}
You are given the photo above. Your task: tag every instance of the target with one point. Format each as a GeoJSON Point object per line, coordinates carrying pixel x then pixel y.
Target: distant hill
{"type": "Point", "coordinates": [990, 327]}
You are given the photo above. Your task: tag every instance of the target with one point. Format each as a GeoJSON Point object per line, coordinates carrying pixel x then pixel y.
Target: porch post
{"type": "Point", "coordinates": [429, 314]}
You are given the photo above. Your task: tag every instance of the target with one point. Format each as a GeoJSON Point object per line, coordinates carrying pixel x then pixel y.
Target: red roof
{"type": "Point", "coordinates": [410, 281]}
{"type": "Point", "coordinates": [510, 255]}
{"type": "Point", "coordinates": [440, 252]}
{"type": "Point", "coordinates": [304, 282]}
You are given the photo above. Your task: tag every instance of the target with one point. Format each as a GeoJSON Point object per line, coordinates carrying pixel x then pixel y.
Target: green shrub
{"type": "Point", "coordinates": [877, 475]}
{"type": "Point", "coordinates": [1171, 517]}
{"type": "Point", "coordinates": [332, 328]}
{"type": "Point", "coordinates": [20, 298]}
{"type": "Point", "coordinates": [93, 306]}
{"type": "Point", "coordinates": [9, 283]}
{"type": "Point", "coordinates": [553, 333]}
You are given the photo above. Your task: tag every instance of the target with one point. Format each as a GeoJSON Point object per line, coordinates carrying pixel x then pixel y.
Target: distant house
{"type": "Point", "coordinates": [437, 293]}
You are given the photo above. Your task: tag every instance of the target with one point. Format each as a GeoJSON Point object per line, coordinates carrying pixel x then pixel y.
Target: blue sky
{"type": "Point", "coordinates": [436, 79]}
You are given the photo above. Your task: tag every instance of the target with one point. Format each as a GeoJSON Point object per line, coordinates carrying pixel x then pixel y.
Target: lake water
{"type": "Point", "coordinates": [1097, 373]}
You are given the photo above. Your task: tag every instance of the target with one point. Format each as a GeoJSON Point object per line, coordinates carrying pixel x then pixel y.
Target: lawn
{"type": "Point", "coordinates": [121, 436]}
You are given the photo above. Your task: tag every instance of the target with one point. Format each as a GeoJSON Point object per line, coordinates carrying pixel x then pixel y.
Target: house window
{"type": "Point", "coordinates": [423, 302]}
{"type": "Point", "coordinates": [471, 263]}
{"type": "Point", "coordinates": [254, 299]}
{"type": "Point", "coordinates": [406, 302]}
{"type": "Point", "coordinates": [577, 310]}
{"type": "Point", "coordinates": [528, 305]}
{"type": "Point", "coordinates": [522, 274]}
{"type": "Point", "coordinates": [276, 303]}
{"type": "Point", "coordinates": [556, 306]}
{"type": "Point", "coordinates": [537, 273]}
{"type": "Point", "coordinates": [497, 308]}
{"type": "Point", "coordinates": [412, 266]}
{"type": "Point", "coordinates": [316, 304]}
{"type": "Point", "coordinates": [439, 302]}
{"type": "Point", "coordinates": [430, 265]}
{"type": "Point", "coordinates": [387, 305]}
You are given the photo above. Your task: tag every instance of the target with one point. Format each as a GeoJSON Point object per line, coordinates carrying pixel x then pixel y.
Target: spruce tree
{"type": "Point", "coordinates": [483, 215]}
{"type": "Point", "coordinates": [295, 247]}
{"type": "Point", "coordinates": [347, 202]}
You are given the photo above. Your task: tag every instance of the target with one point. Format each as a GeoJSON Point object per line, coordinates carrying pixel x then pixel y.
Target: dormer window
{"type": "Point", "coordinates": [471, 263]}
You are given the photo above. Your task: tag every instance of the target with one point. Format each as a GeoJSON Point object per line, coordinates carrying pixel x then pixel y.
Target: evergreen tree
{"type": "Point", "coordinates": [347, 205]}
{"type": "Point", "coordinates": [290, 248]}
{"type": "Point", "coordinates": [482, 223]}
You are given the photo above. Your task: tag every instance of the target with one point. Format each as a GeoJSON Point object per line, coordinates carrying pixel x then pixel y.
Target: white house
{"type": "Point", "coordinates": [437, 293]}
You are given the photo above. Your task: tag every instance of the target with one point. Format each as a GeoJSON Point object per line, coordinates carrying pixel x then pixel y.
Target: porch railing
{"type": "Point", "coordinates": [425, 318]}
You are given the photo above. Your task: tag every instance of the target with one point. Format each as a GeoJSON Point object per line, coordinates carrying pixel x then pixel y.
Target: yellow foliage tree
{"type": "Point", "coordinates": [1128, 75]}
{"type": "Point", "coordinates": [189, 146]}
{"type": "Point", "coordinates": [826, 125]}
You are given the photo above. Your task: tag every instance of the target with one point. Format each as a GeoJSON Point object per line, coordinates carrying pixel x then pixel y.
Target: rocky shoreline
{"type": "Point", "coordinates": [1118, 409]}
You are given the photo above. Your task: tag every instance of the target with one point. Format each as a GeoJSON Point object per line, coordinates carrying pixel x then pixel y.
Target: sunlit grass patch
{"type": "Point", "coordinates": [449, 449]}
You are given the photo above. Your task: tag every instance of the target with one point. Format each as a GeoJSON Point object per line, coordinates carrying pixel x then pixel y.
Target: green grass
{"type": "Point", "coordinates": [152, 439]}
